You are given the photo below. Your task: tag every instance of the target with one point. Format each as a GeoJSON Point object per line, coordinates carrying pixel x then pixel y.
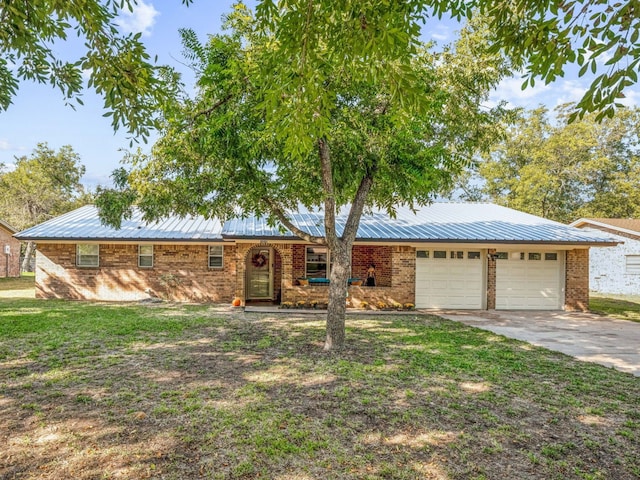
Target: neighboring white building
{"type": "Point", "coordinates": [614, 270]}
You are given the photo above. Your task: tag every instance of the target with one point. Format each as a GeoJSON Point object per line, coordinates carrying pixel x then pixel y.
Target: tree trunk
{"type": "Point", "coordinates": [28, 253]}
{"type": "Point", "coordinates": [340, 271]}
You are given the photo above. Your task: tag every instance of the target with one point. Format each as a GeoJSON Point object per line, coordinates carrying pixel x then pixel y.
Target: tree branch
{"type": "Point", "coordinates": [357, 207]}
{"type": "Point", "coordinates": [214, 107]}
{"type": "Point", "coordinates": [277, 211]}
{"type": "Point", "coordinates": [329, 195]}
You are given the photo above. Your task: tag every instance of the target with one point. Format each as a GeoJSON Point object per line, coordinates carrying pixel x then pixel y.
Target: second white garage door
{"type": "Point", "coordinates": [449, 279]}
{"type": "Point", "coordinates": [530, 280]}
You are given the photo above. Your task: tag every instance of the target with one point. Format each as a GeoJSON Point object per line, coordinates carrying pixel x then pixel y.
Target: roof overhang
{"type": "Point", "coordinates": [587, 221]}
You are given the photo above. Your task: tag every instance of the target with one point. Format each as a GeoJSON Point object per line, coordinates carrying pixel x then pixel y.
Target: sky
{"type": "Point", "coordinates": [39, 114]}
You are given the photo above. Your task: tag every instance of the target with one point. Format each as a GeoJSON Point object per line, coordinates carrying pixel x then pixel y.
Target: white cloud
{"type": "Point", "coordinates": [510, 90]}
{"type": "Point", "coordinates": [141, 19]}
{"type": "Point", "coordinates": [439, 33]}
{"type": "Point", "coordinates": [569, 91]}
{"type": "Point", "coordinates": [631, 99]}
{"type": "Point", "coordinates": [5, 145]}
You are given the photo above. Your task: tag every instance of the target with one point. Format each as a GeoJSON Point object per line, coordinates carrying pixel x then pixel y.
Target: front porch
{"type": "Point", "coordinates": [277, 280]}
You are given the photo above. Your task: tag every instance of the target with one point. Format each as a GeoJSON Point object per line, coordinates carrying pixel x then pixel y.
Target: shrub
{"type": "Point", "coordinates": [381, 305]}
{"type": "Point", "coordinates": [409, 306]}
{"type": "Point", "coordinates": [301, 303]}
{"type": "Point", "coordinates": [286, 305]}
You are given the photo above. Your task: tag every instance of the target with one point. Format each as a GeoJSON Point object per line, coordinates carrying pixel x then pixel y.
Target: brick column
{"type": "Point", "coordinates": [577, 280]}
{"type": "Point", "coordinates": [491, 279]}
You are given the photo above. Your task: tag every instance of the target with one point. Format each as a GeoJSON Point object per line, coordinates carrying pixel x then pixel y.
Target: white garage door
{"type": "Point", "coordinates": [530, 280]}
{"type": "Point", "coordinates": [449, 279]}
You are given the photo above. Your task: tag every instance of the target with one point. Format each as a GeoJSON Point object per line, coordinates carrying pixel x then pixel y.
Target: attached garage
{"type": "Point", "coordinates": [450, 278]}
{"type": "Point", "coordinates": [530, 280]}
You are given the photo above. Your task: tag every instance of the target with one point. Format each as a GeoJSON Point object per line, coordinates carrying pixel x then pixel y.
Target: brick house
{"type": "Point", "coordinates": [614, 270]}
{"type": "Point", "coordinates": [446, 255]}
{"type": "Point", "coordinates": [9, 251]}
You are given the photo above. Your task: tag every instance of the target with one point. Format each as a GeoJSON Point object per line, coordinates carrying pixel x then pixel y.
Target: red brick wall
{"type": "Point", "coordinates": [9, 264]}
{"type": "Point", "coordinates": [180, 272]}
{"type": "Point", "coordinates": [361, 257]}
{"type": "Point", "coordinates": [395, 274]}
{"type": "Point", "coordinates": [577, 280]}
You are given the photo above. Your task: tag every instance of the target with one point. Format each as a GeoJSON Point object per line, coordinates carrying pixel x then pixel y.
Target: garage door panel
{"type": "Point", "coordinates": [529, 284]}
{"type": "Point", "coordinates": [449, 283]}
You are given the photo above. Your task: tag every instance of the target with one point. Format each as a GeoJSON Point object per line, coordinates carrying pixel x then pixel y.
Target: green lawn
{"type": "Point", "coordinates": [187, 392]}
{"type": "Point", "coordinates": [626, 307]}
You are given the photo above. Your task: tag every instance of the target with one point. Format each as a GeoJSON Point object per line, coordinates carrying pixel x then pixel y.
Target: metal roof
{"type": "Point", "coordinates": [625, 225]}
{"type": "Point", "coordinates": [84, 224]}
{"type": "Point", "coordinates": [438, 222]}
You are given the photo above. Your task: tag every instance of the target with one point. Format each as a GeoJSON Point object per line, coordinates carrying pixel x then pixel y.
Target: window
{"type": "Point", "coordinates": [422, 253]}
{"type": "Point", "coordinates": [551, 256]}
{"type": "Point", "coordinates": [317, 262]}
{"type": "Point", "coordinates": [215, 256]}
{"type": "Point", "coordinates": [473, 255]}
{"type": "Point", "coordinates": [535, 256]}
{"type": "Point", "coordinates": [457, 254]}
{"type": "Point", "coordinates": [439, 254]}
{"type": "Point", "coordinates": [502, 255]}
{"type": "Point", "coordinates": [145, 256]}
{"type": "Point", "coordinates": [632, 264]}
{"type": "Point", "coordinates": [88, 255]}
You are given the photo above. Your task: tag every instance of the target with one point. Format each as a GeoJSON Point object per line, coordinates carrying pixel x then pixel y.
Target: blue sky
{"type": "Point", "coordinates": [38, 113]}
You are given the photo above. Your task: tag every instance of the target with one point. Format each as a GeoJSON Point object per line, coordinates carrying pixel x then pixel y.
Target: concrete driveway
{"type": "Point", "coordinates": [585, 336]}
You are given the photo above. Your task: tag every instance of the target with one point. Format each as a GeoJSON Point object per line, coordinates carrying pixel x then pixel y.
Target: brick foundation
{"type": "Point", "coordinates": [577, 280]}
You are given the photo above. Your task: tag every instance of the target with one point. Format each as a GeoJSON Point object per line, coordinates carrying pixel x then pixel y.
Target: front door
{"type": "Point", "coordinates": [260, 274]}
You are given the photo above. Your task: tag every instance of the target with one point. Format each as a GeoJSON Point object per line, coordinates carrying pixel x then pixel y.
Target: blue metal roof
{"type": "Point", "coordinates": [84, 224]}
{"type": "Point", "coordinates": [438, 222]}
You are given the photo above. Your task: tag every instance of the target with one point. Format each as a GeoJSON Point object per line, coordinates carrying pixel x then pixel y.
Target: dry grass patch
{"type": "Point", "coordinates": [625, 307]}
{"type": "Point", "coordinates": [179, 392]}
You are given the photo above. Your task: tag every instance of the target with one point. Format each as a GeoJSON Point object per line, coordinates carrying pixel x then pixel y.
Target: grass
{"type": "Point", "coordinates": [624, 307]}
{"type": "Point", "coordinates": [93, 390]}
{"type": "Point", "coordinates": [21, 287]}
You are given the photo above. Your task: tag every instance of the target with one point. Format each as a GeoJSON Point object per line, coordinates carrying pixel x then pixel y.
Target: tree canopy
{"type": "Point", "coordinates": [564, 171]}
{"type": "Point", "coordinates": [543, 39]}
{"type": "Point", "coordinates": [118, 66]}
{"type": "Point", "coordinates": [240, 146]}
{"type": "Point", "coordinates": [41, 186]}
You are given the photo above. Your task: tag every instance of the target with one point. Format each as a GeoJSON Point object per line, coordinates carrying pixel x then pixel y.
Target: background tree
{"type": "Point", "coordinates": [241, 147]}
{"type": "Point", "coordinates": [563, 170]}
{"type": "Point", "coordinates": [40, 187]}
{"type": "Point", "coordinates": [118, 65]}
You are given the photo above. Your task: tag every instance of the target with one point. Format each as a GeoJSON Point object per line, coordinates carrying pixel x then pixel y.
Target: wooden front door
{"type": "Point", "coordinates": [260, 274]}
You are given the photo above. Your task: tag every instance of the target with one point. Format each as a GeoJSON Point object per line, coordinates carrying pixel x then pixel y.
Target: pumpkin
{"type": "Point", "coordinates": [236, 302]}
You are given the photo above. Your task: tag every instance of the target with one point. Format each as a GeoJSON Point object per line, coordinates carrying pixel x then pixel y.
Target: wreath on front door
{"type": "Point", "coordinates": [258, 260]}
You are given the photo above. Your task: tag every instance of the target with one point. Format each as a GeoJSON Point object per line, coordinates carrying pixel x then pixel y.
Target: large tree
{"type": "Point", "coordinates": [560, 170]}
{"type": "Point", "coordinates": [118, 65]}
{"type": "Point", "coordinates": [41, 186]}
{"type": "Point", "coordinates": [244, 144]}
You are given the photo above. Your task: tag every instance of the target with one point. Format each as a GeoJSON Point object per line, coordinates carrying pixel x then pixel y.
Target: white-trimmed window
{"type": "Point", "coordinates": [317, 262]}
{"type": "Point", "coordinates": [216, 256]}
{"type": "Point", "coordinates": [145, 256]}
{"type": "Point", "coordinates": [632, 265]}
{"type": "Point", "coordinates": [88, 255]}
